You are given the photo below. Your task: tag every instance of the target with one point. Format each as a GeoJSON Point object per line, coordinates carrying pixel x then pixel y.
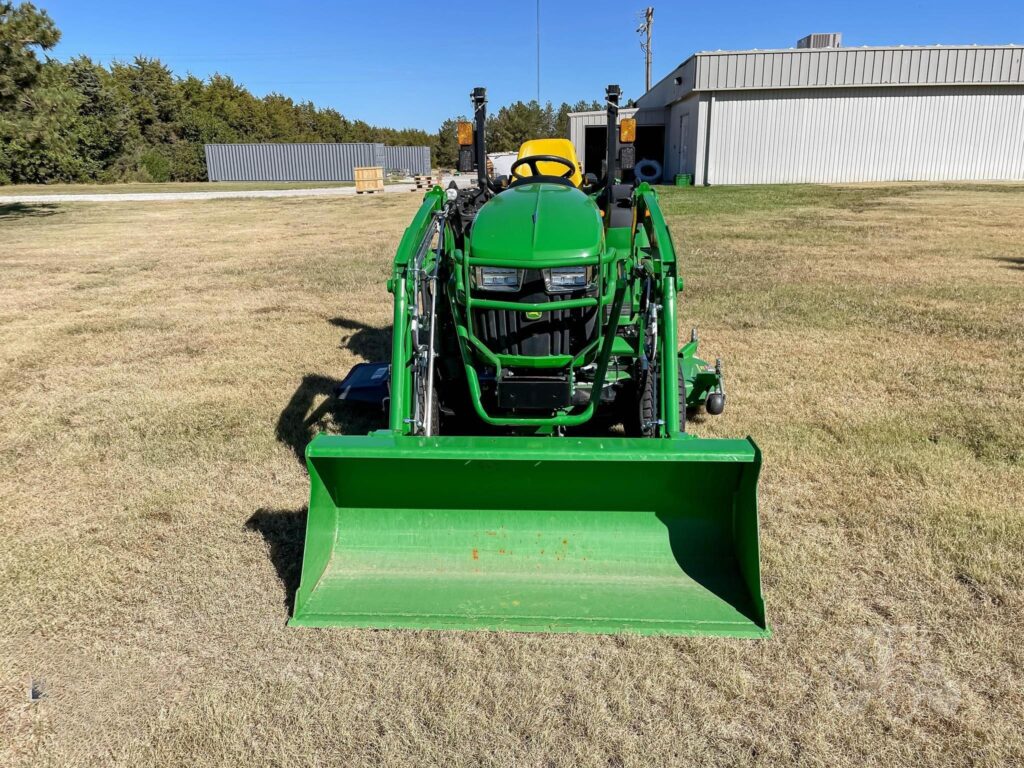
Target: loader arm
{"type": "Point", "coordinates": [414, 241]}
{"type": "Point", "coordinates": [651, 239]}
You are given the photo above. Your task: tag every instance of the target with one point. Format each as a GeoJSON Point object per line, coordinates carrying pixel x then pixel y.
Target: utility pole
{"type": "Point", "coordinates": [538, 51]}
{"type": "Point", "coordinates": [645, 30]}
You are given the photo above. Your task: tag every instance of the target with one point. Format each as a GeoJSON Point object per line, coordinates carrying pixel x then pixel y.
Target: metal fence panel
{"type": "Point", "coordinates": [307, 162]}
{"type": "Point", "coordinates": [406, 160]}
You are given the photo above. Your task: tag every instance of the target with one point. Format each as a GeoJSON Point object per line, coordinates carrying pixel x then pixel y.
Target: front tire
{"type": "Point", "coordinates": [422, 407]}
{"type": "Point", "coordinates": [643, 404]}
{"type": "Point", "coordinates": [647, 402]}
{"type": "Point", "coordinates": [682, 396]}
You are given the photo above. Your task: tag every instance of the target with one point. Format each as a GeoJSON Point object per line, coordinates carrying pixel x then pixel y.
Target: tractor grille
{"type": "Point", "coordinates": [560, 332]}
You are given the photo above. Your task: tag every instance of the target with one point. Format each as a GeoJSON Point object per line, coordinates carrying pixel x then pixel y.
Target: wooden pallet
{"type": "Point", "coordinates": [425, 182]}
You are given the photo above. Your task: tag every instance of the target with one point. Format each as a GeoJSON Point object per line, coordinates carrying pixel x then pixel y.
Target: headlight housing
{"type": "Point", "coordinates": [497, 278]}
{"type": "Point", "coordinates": [565, 279]}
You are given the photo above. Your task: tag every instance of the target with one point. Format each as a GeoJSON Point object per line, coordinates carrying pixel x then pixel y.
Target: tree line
{"type": "Point", "coordinates": [136, 121]}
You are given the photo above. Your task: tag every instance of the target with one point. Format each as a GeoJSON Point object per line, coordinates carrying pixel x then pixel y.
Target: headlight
{"type": "Point", "coordinates": [497, 278]}
{"type": "Point", "coordinates": [561, 279]}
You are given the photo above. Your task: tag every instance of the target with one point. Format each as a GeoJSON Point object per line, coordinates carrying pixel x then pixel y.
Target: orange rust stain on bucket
{"type": "Point", "coordinates": [476, 555]}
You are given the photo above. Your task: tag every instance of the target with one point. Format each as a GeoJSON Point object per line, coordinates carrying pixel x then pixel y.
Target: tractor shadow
{"type": "Point", "coordinates": [1011, 262]}
{"type": "Point", "coordinates": [366, 341]}
{"type": "Point", "coordinates": [12, 211]}
{"type": "Point", "coordinates": [284, 531]}
{"type": "Point", "coordinates": [301, 419]}
{"type": "Point", "coordinates": [313, 406]}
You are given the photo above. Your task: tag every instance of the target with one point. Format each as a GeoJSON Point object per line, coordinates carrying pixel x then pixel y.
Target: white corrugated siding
{"type": "Point", "coordinates": [929, 133]}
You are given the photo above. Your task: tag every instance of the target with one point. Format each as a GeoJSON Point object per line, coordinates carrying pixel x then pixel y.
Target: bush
{"type": "Point", "coordinates": [188, 162]}
{"type": "Point", "coordinates": [155, 164]}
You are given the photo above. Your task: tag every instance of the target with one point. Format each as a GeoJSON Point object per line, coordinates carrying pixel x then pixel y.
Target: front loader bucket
{"type": "Point", "coordinates": [533, 534]}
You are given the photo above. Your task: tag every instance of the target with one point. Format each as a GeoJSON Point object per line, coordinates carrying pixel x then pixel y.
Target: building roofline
{"type": "Point", "coordinates": [972, 46]}
{"type": "Point", "coordinates": [675, 69]}
{"type": "Point", "coordinates": [593, 112]}
{"type": "Point", "coordinates": [937, 46]}
{"type": "Point", "coordinates": [704, 63]}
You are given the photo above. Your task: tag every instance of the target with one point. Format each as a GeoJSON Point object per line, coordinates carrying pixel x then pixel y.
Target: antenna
{"type": "Point", "coordinates": [645, 29]}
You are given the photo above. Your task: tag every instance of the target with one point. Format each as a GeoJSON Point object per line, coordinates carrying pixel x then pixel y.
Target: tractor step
{"type": "Point", "coordinates": [366, 383]}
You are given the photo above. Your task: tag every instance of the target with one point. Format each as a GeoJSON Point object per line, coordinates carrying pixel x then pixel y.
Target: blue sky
{"type": "Point", "coordinates": [413, 63]}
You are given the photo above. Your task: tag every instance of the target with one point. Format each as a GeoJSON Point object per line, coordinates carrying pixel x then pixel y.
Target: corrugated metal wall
{"type": "Point", "coordinates": [866, 134]}
{"type": "Point", "coordinates": [308, 162]}
{"type": "Point", "coordinates": [580, 121]}
{"type": "Point", "coordinates": [838, 67]}
{"type": "Point", "coordinates": [407, 160]}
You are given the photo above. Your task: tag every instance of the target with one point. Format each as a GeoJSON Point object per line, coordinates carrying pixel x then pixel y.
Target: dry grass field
{"type": "Point", "coordinates": [163, 364]}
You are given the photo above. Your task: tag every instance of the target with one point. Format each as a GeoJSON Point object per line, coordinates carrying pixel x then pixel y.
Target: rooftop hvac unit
{"type": "Point", "coordinates": [821, 40]}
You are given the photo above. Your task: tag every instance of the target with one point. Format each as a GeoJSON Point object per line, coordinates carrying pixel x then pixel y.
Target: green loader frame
{"type": "Point", "coordinates": [526, 520]}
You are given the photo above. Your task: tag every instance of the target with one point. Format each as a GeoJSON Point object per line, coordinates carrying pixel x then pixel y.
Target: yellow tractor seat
{"type": "Point", "coordinates": [557, 147]}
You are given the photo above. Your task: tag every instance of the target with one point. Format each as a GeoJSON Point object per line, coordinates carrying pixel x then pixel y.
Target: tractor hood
{"type": "Point", "coordinates": [543, 220]}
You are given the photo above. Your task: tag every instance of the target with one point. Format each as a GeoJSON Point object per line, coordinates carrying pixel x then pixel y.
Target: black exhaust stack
{"type": "Point", "coordinates": [611, 95]}
{"type": "Point", "coordinates": [479, 97]}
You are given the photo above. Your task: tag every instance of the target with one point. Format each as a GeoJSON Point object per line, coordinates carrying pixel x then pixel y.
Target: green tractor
{"type": "Point", "coordinates": [536, 474]}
